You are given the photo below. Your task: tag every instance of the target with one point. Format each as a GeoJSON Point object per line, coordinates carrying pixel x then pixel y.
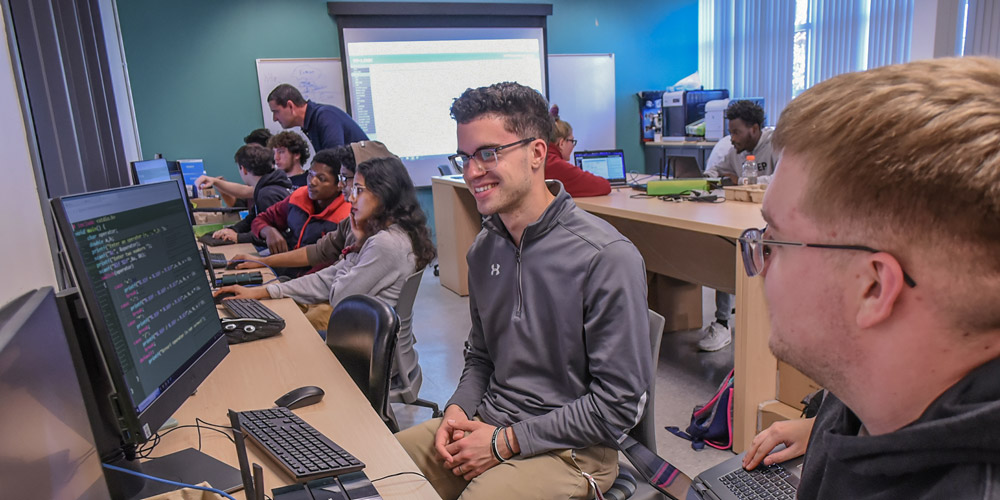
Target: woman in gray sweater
{"type": "Point", "coordinates": [392, 242]}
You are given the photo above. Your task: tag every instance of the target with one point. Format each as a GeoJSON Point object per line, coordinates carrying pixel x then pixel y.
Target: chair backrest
{"type": "Point", "coordinates": [445, 169]}
{"type": "Point", "coordinates": [645, 432]}
{"type": "Point", "coordinates": [362, 334]}
{"type": "Point", "coordinates": [405, 369]}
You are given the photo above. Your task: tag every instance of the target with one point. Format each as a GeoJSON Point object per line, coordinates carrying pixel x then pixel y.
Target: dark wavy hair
{"type": "Point", "coordinates": [291, 141]}
{"type": "Point", "coordinates": [255, 158]}
{"type": "Point", "coordinates": [523, 110]}
{"type": "Point", "coordinates": [258, 136]}
{"type": "Point", "coordinates": [389, 181]}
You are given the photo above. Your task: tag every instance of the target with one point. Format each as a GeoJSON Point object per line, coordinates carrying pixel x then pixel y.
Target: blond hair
{"type": "Point", "coordinates": [904, 153]}
{"type": "Point", "coordinates": [560, 129]}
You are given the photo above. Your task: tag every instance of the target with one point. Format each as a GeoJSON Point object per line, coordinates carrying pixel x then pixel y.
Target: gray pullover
{"type": "Point", "coordinates": [378, 269]}
{"type": "Point", "coordinates": [559, 329]}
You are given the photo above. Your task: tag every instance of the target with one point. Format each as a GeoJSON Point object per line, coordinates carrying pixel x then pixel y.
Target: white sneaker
{"type": "Point", "coordinates": [715, 337]}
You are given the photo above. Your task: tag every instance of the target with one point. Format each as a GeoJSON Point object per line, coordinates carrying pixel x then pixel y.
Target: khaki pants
{"type": "Point", "coordinates": [317, 314]}
{"type": "Point", "coordinates": [557, 474]}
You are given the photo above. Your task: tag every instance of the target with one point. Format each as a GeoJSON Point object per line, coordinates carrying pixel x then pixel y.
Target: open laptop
{"type": "Point", "coordinates": [726, 481]}
{"type": "Point", "coordinates": [609, 164]}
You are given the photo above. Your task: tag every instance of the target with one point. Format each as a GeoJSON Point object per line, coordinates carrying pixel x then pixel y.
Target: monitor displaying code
{"type": "Point", "coordinates": [142, 266]}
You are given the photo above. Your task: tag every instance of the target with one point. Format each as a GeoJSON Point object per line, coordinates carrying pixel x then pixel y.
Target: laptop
{"type": "Point", "coordinates": [726, 481]}
{"type": "Point", "coordinates": [609, 164]}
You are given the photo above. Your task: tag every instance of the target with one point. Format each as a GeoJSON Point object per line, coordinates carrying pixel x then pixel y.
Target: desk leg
{"type": "Point", "coordinates": [457, 223]}
{"type": "Point", "coordinates": [756, 368]}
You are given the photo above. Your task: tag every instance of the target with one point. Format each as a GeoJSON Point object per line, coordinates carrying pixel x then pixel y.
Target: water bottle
{"type": "Point", "coordinates": [748, 174]}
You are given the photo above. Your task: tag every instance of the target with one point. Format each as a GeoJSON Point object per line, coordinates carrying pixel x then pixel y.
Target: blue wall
{"type": "Point", "coordinates": [194, 80]}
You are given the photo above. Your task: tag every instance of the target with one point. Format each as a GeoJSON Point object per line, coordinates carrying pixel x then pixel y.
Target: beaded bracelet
{"type": "Point", "coordinates": [496, 452]}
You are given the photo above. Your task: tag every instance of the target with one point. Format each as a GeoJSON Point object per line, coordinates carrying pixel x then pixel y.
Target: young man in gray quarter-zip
{"type": "Point", "coordinates": [560, 331]}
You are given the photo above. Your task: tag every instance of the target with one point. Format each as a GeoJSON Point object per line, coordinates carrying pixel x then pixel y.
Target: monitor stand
{"type": "Point", "coordinates": [188, 466]}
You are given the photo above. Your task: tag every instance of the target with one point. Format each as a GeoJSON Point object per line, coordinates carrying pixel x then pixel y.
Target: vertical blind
{"type": "Point", "coordinates": [746, 47]}
{"type": "Point", "coordinates": [982, 33]}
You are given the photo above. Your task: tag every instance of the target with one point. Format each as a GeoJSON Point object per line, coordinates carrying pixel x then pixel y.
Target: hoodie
{"type": "Point", "coordinates": [297, 219]}
{"type": "Point", "coordinates": [271, 188]}
{"type": "Point", "coordinates": [951, 451]}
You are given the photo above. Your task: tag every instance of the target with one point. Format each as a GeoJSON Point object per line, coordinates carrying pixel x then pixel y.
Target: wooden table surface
{"type": "Point", "coordinates": [256, 373]}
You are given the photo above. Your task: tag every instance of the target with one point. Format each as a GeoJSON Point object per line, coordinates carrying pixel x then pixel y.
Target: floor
{"type": "Point", "coordinates": [685, 377]}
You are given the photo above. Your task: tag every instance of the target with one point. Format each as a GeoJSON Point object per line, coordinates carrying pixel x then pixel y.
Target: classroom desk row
{"type": "Point", "coordinates": [254, 374]}
{"type": "Point", "coordinates": [685, 246]}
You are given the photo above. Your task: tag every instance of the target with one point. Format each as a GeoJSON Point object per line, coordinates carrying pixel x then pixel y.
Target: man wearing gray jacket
{"type": "Point", "coordinates": [559, 333]}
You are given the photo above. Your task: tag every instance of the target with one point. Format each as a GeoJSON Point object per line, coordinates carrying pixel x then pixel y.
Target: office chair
{"type": "Point", "coordinates": [362, 334]}
{"type": "Point", "coordinates": [407, 375]}
{"type": "Point", "coordinates": [629, 483]}
{"type": "Point", "coordinates": [446, 169]}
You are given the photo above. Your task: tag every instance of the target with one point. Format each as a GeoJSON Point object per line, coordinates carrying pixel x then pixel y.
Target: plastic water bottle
{"type": "Point", "coordinates": [748, 174]}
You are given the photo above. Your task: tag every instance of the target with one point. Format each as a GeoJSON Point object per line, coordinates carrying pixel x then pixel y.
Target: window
{"type": "Point", "coordinates": [800, 46]}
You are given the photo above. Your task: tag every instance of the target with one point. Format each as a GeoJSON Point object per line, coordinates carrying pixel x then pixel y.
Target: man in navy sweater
{"type": "Point", "coordinates": [326, 126]}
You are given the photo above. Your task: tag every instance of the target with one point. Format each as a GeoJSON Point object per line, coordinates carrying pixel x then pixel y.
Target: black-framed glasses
{"type": "Point", "coordinates": [488, 158]}
{"type": "Point", "coordinates": [345, 179]}
{"type": "Point", "coordinates": [755, 251]}
{"type": "Point", "coordinates": [574, 141]}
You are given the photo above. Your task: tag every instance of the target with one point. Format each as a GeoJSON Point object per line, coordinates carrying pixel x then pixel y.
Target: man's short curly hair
{"type": "Point", "coordinates": [255, 158]}
{"type": "Point", "coordinates": [748, 111]}
{"type": "Point", "coordinates": [524, 111]}
{"type": "Point", "coordinates": [291, 141]}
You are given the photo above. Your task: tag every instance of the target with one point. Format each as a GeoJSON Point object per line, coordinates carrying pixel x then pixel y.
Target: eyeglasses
{"type": "Point", "coordinates": [574, 141]}
{"type": "Point", "coordinates": [755, 251]}
{"type": "Point", "coordinates": [356, 190]}
{"type": "Point", "coordinates": [345, 179]}
{"type": "Point", "coordinates": [487, 157]}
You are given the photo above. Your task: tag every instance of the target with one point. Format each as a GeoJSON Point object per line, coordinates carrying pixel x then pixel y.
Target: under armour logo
{"type": "Point", "coordinates": [495, 270]}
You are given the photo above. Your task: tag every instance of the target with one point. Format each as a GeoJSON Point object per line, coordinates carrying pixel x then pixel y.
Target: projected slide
{"type": "Point", "coordinates": [402, 81]}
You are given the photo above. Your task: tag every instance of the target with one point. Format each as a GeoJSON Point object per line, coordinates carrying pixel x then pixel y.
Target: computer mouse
{"type": "Point", "coordinates": [218, 298]}
{"type": "Point", "coordinates": [303, 396]}
{"type": "Point", "coordinates": [232, 264]}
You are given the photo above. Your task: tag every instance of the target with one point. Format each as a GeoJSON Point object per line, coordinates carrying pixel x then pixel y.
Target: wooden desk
{"type": "Point", "coordinates": [658, 152]}
{"type": "Point", "coordinates": [693, 242]}
{"type": "Point", "coordinates": [254, 374]}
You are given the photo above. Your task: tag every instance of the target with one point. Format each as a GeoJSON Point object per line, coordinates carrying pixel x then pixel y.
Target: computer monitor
{"type": "Point", "coordinates": [609, 164]}
{"type": "Point", "coordinates": [48, 447]}
{"type": "Point", "coordinates": [153, 333]}
{"type": "Point", "coordinates": [191, 170]}
{"type": "Point", "coordinates": [150, 171]}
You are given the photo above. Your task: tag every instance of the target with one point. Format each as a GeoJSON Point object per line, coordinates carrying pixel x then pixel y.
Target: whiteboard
{"type": "Point", "coordinates": [319, 79]}
{"type": "Point", "coordinates": [583, 85]}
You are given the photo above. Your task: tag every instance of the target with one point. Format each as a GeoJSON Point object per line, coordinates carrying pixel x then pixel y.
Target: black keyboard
{"type": "Point", "coordinates": [765, 483]}
{"type": "Point", "coordinates": [250, 321]}
{"type": "Point", "coordinates": [300, 449]}
{"type": "Point", "coordinates": [251, 308]}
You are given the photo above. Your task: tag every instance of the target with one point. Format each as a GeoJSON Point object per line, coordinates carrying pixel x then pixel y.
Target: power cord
{"type": "Point", "coordinates": [401, 474]}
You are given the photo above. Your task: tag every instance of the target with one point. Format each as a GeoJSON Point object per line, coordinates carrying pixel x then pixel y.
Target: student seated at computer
{"type": "Point", "coordinates": [291, 151]}
{"type": "Point", "coordinates": [310, 212]}
{"type": "Point", "coordinates": [234, 194]}
{"type": "Point", "coordinates": [391, 241]}
{"type": "Point", "coordinates": [270, 185]}
{"type": "Point", "coordinates": [903, 331]}
{"type": "Point", "coordinates": [576, 181]}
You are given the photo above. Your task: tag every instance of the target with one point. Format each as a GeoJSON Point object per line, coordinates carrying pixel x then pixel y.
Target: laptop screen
{"type": "Point", "coordinates": [657, 472]}
{"type": "Point", "coordinates": [607, 164]}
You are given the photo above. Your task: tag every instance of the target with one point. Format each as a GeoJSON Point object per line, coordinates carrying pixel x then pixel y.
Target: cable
{"type": "Point", "coordinates": [167, 481]}
{"type": "Point", "coordinates": [147, 449]}
{"type": "Point", "coordinates": [401, 474]}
